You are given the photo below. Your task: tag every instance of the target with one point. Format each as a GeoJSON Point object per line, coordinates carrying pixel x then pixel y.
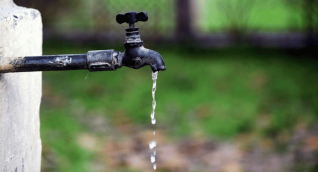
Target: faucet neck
{"type": "Point", "coordinates": [133, 38]}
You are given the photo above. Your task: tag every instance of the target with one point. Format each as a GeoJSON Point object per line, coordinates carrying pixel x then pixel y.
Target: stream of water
{"type": "Point", "coordinates": [153, 144]}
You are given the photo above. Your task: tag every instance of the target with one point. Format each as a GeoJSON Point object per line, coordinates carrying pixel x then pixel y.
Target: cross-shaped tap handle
{"type": "Point", "coordinates": [131, 17]}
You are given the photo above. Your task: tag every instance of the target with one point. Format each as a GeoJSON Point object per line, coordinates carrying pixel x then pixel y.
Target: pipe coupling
{"type": "Point", "coordinates": [102, 60]}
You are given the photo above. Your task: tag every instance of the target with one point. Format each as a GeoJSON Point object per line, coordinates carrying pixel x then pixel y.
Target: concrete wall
{"type": "Point", "coordinates": [20, 93]}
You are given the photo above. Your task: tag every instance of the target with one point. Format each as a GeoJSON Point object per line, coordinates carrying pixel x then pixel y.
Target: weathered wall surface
{"type": "Point", "coordinates": [20, 93]}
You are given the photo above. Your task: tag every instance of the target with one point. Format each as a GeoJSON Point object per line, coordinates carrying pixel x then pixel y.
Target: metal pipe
{"type": "Point", "coordinates": [47, 63]}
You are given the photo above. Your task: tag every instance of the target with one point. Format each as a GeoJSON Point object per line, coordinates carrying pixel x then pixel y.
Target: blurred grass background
{"type": "Point", "coordinates": [223, 92]}
{"type": "Point", "coordinates": [248, 106]}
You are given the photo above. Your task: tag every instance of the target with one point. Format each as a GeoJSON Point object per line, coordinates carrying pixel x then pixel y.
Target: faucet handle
{"type": "Point", "coordinates": [131, 17]}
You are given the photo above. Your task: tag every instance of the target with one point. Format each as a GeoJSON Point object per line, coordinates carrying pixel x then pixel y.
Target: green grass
{"type": "Point", "coordinates": [58, 132]}
{"type": "Point", "coordinates": [220, 92]}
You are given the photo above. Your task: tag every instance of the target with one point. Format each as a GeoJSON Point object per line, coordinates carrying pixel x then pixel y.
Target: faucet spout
{"type": "Point", "coordinates": [137, 57]}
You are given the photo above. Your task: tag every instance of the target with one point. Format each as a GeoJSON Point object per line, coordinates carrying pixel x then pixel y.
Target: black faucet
{"type": "Point", "coordinates": [135, 55]}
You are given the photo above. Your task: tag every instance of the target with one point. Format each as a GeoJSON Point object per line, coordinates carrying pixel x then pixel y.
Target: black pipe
{"type": "Point", "coordinates": [50, 63]}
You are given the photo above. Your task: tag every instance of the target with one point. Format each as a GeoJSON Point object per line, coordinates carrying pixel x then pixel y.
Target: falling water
{"type": "Point", "coordinates": [153, 144]}
{"type": "Point", "coordinates": [154, 166]}
{"type": "Point", "coordinates": [153, 158]}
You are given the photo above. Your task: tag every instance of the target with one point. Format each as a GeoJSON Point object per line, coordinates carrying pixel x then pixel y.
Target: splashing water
{"type": "Point", "coordinates": [153, 144]}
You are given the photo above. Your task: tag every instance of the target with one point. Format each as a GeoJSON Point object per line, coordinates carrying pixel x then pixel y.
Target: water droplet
{"type": "Point", "coordinates": [152, 158]}
{"type": "Point", "coordinates": [152, 144]}
{"type": "Point", "coordinates": [153, 121]}
{"type": "Point", "coordinates": [87, 75]}
{"type": "Point", "coordinates": [152, 115]}
{"type": "Point", "coordinates": [154, 166]}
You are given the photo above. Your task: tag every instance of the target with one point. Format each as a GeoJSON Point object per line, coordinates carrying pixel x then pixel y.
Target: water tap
{"type": "Point", "coordinates": [135, 55]}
